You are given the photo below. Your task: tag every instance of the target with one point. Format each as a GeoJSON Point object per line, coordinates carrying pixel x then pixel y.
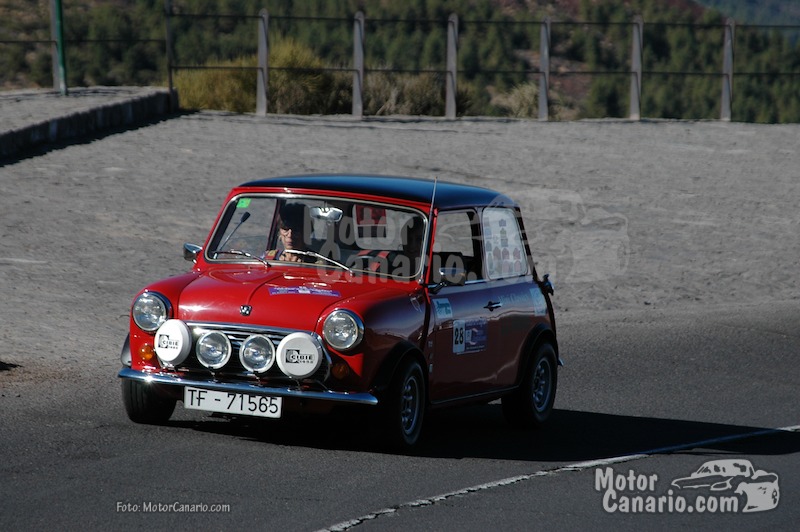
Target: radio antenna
{"type": "Point", "coordinates": [433, 197]}
{"type": "Point", "coordinates": [428, 232]}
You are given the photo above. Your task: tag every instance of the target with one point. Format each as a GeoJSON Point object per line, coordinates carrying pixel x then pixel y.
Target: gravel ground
{"type": "Point", "coordinates": [27, 107]}
{"type": "Point", "coordinates": [626, 216]}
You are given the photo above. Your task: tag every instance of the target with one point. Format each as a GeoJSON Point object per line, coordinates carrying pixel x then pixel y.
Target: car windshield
{"type": "Point", "coordinates": [363, 237]}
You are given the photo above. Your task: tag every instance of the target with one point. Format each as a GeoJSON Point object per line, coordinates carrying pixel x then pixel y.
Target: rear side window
{"type": "Point", "coordinates": [502, 244]}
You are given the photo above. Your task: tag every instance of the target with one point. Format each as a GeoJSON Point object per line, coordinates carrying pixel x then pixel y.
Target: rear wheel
{"type": "Point", "coordinates": [403, 407]}
{"type": "Point", "coordinates": [144, 405]}
{"type": "Point", "coordinates": [531, 404]}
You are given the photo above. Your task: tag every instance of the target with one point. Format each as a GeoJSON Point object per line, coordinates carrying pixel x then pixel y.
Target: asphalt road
{"type": "Point", "coordinates": [653, 389]}
{"type": "Point", "coordinates": [72, 457]}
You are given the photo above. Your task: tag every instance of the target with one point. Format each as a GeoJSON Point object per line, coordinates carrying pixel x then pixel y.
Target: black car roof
{"type": "Point", "coordinates": [448, 195]}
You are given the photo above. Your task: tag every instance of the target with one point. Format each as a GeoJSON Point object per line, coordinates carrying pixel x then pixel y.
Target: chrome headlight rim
{"type": "Point", "coordinates": [152, 325]}
{"type": "Point", "coordinates": [226, 343]}
{"type": "Point", "coordinates": [245, 345]}
{"type": "Point", "coordinates": [353, 340]}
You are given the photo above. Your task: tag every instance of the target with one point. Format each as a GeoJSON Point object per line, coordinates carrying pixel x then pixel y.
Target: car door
{"type": "Point", "coordinates": [465, 324]}
{"type": "Point", "coordinates": [519, 301]}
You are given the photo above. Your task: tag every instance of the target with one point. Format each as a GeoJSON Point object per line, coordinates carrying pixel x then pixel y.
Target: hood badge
{"type": "Point", "coordinates": [245, 310]}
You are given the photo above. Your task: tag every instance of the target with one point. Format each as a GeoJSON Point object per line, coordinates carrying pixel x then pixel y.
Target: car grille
{"type": "Point", "coordinates": [234, 370]}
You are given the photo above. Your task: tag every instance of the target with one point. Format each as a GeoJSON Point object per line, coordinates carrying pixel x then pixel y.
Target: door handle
{"type": "Point", "coordinates": [491, 305]}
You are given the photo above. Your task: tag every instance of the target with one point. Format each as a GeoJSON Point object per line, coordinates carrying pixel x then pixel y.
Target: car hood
{"type": "Point", "coordinates": [290, 299]}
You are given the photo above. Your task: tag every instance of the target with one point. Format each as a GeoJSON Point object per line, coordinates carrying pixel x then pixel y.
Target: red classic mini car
{"type": "Point", "coordinates": [398, 294]}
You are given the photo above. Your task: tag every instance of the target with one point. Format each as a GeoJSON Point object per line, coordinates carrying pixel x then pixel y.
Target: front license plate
{"type": "Point", "coordinates": [232, 402]}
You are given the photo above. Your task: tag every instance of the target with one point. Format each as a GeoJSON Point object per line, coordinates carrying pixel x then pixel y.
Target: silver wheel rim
{"type": "Point", "coordinates": [542, 385]}
{"type": "Point", "coordinates": [409, 405]}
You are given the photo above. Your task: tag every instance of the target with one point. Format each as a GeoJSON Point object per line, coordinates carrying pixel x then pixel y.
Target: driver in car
{"type": "Point", "coordinates": [291, 234]}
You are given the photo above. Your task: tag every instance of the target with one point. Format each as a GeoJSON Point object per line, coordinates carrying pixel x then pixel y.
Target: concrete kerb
{"type": "Point", "coordinates": [127, 113]}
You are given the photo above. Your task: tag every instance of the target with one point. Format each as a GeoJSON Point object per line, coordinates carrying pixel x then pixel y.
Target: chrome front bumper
{"type": "Point", "coordinates": [170, 379]}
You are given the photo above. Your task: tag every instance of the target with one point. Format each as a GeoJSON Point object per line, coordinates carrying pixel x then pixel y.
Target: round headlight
{"type": "Point", "coordinates": [257, 353]}
{"type": "Point", "coordinates": [150, 311]}
{"type": "Point", "coordinates": [342, 329]}
{"type": "Point", "coordinates": [213, 350]}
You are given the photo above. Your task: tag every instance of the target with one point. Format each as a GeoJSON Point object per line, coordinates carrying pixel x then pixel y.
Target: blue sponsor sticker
{"type": "Point", "coordinates": [304, 290]}
{"type": "Point", "coordinates": [444, 310]}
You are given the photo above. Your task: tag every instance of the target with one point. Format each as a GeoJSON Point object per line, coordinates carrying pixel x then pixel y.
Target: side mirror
{"type": "Point", "coordinates": [449, 277]}
{"type": "Point", "coordinates": [547, 286]}
{"type": "Point", "coordinates": [190, 252]}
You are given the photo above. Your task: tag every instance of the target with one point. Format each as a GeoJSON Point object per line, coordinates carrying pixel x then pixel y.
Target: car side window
{"type": "Point", "coordinates": [503, 246]}
{"type": "Point", "coordinates": [457, 244]}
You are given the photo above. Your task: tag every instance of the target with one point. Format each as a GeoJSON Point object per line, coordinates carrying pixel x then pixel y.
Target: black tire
{"type": "Point", "coordinates": [403, 408]}
{"type": "Point", "coordinates": [531, 404]}
{"type": "Point", "coordinates": [144, 405]}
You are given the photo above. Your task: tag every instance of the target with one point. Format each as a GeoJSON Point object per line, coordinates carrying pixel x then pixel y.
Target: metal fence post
{"type": "Point", "coordinates": [173, 95]}
{"type": "Point", "coordinates": [358, 64]}
{"type": "Point", "coordinates": [544, 69]}
{"type": "Point", "coordinates": [262, 83]}
{"type": "Point", "coordinates": [636, 68]}
{"type": "Point", "coordinates": [59, 54]}
{"type": "Point", "coordinates": [727, 71]}
{"type": "Point", "coordinates": [452, 66]}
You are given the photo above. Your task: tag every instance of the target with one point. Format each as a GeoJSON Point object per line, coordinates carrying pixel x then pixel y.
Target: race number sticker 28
{"type": "Point", "coordinates": [469, 336]}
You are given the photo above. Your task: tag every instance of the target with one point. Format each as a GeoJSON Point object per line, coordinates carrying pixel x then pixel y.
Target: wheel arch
{"type": "Point", "coordinates": [396, 355]}
{"type": "Point", "coordinates": [539, 335]}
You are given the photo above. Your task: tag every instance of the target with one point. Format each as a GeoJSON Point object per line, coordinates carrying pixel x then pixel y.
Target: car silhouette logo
{"type": "Point", "coordinates": [758, 490]}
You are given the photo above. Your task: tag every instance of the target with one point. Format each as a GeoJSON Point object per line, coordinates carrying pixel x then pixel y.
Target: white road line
{"type": "Point", "coordinates": [579, 466]}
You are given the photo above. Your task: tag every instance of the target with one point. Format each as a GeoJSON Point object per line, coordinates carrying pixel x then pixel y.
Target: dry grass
{"type": "Point", "coordinates": [298, 84]}
{"type": "Point", "coordinates": [521, 102]}
{"type": "Point", "coordinates": [230, 86]}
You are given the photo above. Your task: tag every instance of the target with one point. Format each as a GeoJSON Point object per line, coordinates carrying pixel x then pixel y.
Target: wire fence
{"type": "Point", "coordinates": [575, 69]}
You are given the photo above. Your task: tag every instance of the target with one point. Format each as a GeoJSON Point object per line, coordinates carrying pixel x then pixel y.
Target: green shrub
{"type": "Point", "coordinates": [298, 84]}
{"type": "Point", "coordinates": [302, 91]}
{"type": "Point", "coordinates": [521, 102]}
{"type": "Point", "coordinates": [403, 94]}
{"type": "Point", "coordinates": [227, 87]}
{"type": "Point", "coordinates": [302, 88]}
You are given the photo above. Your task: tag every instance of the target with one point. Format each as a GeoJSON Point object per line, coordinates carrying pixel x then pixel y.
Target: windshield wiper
{"type": "Point", "coordinates": [318, 256]}
{"type": "Point", "coordinates": [240, 253]}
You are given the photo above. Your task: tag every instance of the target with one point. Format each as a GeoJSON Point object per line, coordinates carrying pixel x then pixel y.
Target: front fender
{"type": "Point", "coordinates": [384, 376]}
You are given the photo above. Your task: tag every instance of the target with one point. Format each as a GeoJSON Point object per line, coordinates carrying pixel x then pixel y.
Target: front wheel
{"type": "Point", "coordinates": [531, 404]}
{"type": "Point", "coordinates": [144, 405]}
{"type": "Point", "coordinates": [403, 407]}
